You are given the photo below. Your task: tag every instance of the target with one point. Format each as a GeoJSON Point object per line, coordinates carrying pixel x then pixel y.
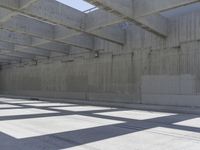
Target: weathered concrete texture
{"type": "Point", "coordinates": [148, 69]}
{"type": "Point", "coordinates": [91, 79]}
{"type": "Point", "coordinates": [41, 125]}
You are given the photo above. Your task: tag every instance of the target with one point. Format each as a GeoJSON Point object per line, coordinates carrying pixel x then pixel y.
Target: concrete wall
{"type": "Point", "coordinates": [147, 70]}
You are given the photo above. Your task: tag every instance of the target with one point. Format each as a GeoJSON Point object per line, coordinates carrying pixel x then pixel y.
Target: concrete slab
{"type": "Point", "coordinates": [46, 104]}
{"type": "Point", "coordinates": [190, 123]}
{"type": "Point", "coordinates": [82, 108]}
{"type": "Point", "coordinates": [135, 114]}
{"type": "Point", "coordinates": [142, 141]}
{"type": "Point", "coordinates": [4, 106]}
{"type": "Point", "coordinates": [18, 101]}
{"type": "Point", "coordinates": [21, 111]}
{"type": "Point", "coordinates": [95, 128]}
{"type": "Point", "coordinates": [26, 128]}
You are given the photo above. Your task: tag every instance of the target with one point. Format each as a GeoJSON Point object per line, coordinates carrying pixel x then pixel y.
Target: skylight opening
{"type": "Point", "coordinates": [80, 5]}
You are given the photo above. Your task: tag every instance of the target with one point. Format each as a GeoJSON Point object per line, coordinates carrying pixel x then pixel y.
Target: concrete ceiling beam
{"type": "Point", "coordinates": [59, 14]}
{"type": "Point", "coordinates": [30, 26]}
{"type": "Point", "coordinates": [27, 41]}
{"type": "Point", "coordinates": [124, 10]}
{"type": "Point", "coordinates": [144, 13]}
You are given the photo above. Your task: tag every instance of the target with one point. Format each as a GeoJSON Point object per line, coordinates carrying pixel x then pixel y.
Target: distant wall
{"type": "Point", "coordinates": [147, 70]}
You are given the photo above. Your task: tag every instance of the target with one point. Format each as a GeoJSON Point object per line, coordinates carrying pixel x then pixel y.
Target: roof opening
{"type": "Point", "coordinates": [80, 5]}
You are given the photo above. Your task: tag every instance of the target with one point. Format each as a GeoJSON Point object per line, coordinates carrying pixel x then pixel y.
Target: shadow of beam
{"type": "Point", "coordinates": [84, 136]}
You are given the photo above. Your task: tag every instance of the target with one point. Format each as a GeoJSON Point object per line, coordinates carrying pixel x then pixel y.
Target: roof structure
{"type": "Point", "coordinates": [35, 29]}
{"type": "Point", "coordinates": [78, 4]}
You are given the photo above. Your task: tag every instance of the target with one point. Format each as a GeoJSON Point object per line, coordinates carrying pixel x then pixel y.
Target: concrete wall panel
{"type": "Point", "coordinates": [148, 70]}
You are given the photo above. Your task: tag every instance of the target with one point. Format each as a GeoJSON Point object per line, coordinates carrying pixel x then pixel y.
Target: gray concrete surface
{"type": "Point", "coordinates": [41, 125]}
{"type": "Point", "coordinates": [127, 52]}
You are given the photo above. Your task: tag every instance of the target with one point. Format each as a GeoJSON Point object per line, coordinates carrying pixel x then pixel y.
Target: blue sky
{"type": "Point", "coordinates": [78, 4]}
{"type": "Point", "coordinates": [82, 6]}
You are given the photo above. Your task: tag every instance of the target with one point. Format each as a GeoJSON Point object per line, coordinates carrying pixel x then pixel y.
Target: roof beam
{"type": "Point", "coordinates": [20, 4]}
{"type": "Point", "coordinates": [22, 52]}
{"type": "Point", "coordinates": [148, 7]}
{"type": "Point", "coordinates": [15, 38]}
{"type": "Point", "coordinates": [6, 61]}
{"type": "Point", "coordinates": [9, 58]}
{"type": "Point", "coordinates": [59, 14]}
{"type": "Point", "coordinates": [124, 9]}
{"type": "Point", "coordinates": [26, 3]}
{"type": "Point", "coordinates": [102, 19]}
{"type": "Point", "coordinates": [141, 12]}
{"type": "Point", "coordinates": [45, 31]}
{"type": "Point", "coordinates": [30, 26]}
{"type": "Point", "coordinates": [25, 49]}
{"type": "Point", "coordinates": [34, 51]}
{"type": "Point", "coordinates": [54, 47]}
{"type": "Point", "coordinates": [21, 55]}
{"type": "Point", "coordinates": [13, 4]}
{"type": "Point", "coordinates": [27, 40]}
{"type": "Point", "coordinates": [106, 19]}
{"type": "Point", "coordinates": [6, 45]}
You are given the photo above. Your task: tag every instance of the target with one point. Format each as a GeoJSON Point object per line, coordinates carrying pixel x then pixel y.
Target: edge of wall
{"type": "Point", "coordinates": [147, 107]}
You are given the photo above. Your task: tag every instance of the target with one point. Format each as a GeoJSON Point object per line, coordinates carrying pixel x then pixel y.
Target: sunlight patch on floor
{"type": "Point", "coordinates": [26, 128]}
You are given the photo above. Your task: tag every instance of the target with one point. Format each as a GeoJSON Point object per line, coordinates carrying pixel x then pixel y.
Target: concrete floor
{"type": "Point", "coordinates": [39, 125]}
